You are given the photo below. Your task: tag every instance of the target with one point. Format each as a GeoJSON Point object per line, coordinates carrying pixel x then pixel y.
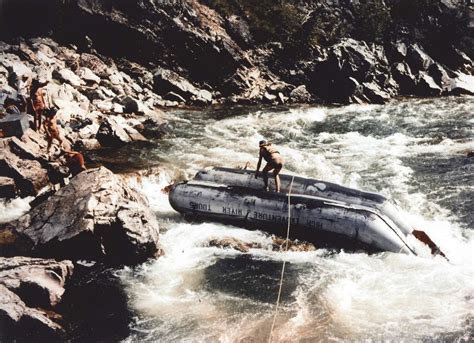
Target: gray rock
{"type": "Point", "coordinates": [403, 76]}
{"type": "Point", "coordinates": [95, 64]}
{"type": "Point", "coordinates": [301, 95]}
{"type": "Point", "coordinates": [418, 59]}
{"type": "Point", "coordinates": [39, 282]}
{"type": "Point", "coordinates": [66, 75]}
{"type": "Point", "coordinates": [29, 175]}
{"type": "Point", "coordinates": [426, 86]}
{"type": "Point", "coordinates": [166, 81]}
{"type": "Point", "coordinates": [461, 84]}
{"type": "Point", "coordinates": [114, 132]}
{"type": "Point", "coordinates": [374, 93]}
{"type": "Point", "coordinates": [98, 217]}
{"type": "Point", "coordinates": [88, 76]}
{"type": "Point", "coordinates": [28, 286]}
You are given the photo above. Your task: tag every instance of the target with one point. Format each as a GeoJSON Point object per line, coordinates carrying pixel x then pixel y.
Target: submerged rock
{"type": "Point", "coordinates": [96, 216]}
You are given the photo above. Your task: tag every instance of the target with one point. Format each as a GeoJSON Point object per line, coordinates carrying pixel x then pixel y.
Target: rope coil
{"type": "Point", "coordinates": [284, 261]}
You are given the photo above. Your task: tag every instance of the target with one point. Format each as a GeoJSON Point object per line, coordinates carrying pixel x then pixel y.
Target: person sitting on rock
{"type": "Point", "coordinates": [74, 161]}
{"type": "Point", "coordinates": [274, 161]}
{"type": "Point", "coordinates": [39, 102]}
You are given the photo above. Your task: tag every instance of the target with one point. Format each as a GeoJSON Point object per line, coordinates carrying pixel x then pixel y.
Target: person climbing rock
{"type": "Point", "coordinates": [51, 127]}
{"type": "Point", "coordinates": [38, 98]}
{"type": "Point", "coordinates": [274, 162]}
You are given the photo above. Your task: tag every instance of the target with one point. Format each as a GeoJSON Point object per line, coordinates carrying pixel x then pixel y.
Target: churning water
{"type": "Point", "coordinates": [413, 151]}
{"type": "Point", "coordinates": [410, 150]}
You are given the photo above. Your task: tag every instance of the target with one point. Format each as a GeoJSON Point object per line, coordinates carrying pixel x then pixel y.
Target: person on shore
{"type": "Point", "coordinates": [51, 127]}
{"type": "Point", "coordinates": [74, 161]}
{"type": "Point", "coordinates": [38, 98]}
{"type": "Point", "coordinates": [274, 162]}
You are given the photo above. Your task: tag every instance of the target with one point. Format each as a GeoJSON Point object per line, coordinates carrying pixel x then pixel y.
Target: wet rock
{"type": "Point", "coordinates": [115, 132]}
{"type": "Point", "coordinates": [172, 96]}
{"type": "Point", "coordinates": [300, 95]}
{"type": "Point", "coordinates": [97, 217]}
{"type": "Point", "coordinates": [280, 244]}
{"type": "Point", "coordinates": [426, 86]}
{"type": "Point", "coordinates": [233, 243]}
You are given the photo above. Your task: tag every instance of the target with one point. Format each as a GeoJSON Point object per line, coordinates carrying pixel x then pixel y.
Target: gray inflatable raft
{"type": "Point", "coordinates": [315, 219]}
{"type": "Point", "coordinates": [308, 186]}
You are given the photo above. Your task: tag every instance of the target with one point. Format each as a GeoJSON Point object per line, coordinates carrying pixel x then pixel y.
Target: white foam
{"type": "Point", "coordinates": [13, 209]}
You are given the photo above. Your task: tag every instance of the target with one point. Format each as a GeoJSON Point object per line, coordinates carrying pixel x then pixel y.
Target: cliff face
{"type": "Point", "coordinates": [268, 51]}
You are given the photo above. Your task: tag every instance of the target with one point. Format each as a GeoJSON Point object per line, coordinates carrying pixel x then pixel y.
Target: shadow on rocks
{"type": "Point", "coordinates": [95, 306]}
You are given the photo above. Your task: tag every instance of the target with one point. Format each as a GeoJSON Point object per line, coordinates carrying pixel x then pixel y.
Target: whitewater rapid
{"type": "Point", "coordinates": [411, 151]}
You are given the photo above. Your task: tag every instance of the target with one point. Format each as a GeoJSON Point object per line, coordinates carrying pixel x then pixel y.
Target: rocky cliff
{"type": "Point", "coordinates": [209, 51]}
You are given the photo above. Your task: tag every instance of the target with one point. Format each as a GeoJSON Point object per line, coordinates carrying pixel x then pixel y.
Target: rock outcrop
{"type": "Point", "coordinates": [206, 52]}
{"type": "Point", "coordinates": [96, 216]}
{"type": "Point", "coordinates": [30, 288]}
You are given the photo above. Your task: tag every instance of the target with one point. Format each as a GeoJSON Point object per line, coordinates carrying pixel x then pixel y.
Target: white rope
{"type": "Point", "coordinates": [284, 262]}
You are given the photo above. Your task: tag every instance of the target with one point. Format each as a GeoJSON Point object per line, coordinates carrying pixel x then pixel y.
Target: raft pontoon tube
{"type": "Point", "coordinates": [312, 218]}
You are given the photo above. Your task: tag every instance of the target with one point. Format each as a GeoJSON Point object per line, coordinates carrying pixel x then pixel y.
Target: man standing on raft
{"type": "Point", "coordinates": [274, 161]}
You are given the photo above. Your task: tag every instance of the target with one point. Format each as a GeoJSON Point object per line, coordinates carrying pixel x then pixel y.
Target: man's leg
{"type": "Point", "coordinates": [277, 177]}
{"type": "Point", "coordinates": [265, 171]}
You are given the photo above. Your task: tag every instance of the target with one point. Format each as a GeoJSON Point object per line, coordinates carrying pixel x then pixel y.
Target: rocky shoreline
{"type": "Point", "coordinates": [111, 83]}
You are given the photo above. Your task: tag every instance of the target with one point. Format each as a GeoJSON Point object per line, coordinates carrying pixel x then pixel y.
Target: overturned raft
{"type": "Point", "coordinates": [321, 220]}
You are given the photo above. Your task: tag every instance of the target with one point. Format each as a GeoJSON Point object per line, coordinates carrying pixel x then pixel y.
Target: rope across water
{"type": "Point", "coordinates": [284, 261]}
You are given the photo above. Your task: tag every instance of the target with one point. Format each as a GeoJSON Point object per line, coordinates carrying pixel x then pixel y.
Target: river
{"type": "Point", "coordinates": [411, 150]}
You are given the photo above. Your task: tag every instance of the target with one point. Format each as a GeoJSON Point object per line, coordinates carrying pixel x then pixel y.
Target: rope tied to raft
{"type": "Point", "coordinates": [284, 261]}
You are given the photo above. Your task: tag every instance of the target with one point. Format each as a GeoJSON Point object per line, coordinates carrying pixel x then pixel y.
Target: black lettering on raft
{"type": "Point", "coordinates": [232, 211]}
{"type": "Point", "coordinates": [200, 207]}
{"type": "Point", "coordinates": [315, 224]}
{"type": "Point", "coordinates": [274, 218]}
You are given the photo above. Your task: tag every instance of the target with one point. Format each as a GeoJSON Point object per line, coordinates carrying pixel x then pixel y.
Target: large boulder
{"type": "Point", "coordinates": [39, 282]}
{"type": "Point", "coordinates": [115, 132]}
{"type": "Point", "coordinates": [97, 216]}
{"type": "Point", "coordinates": [166, 81]}
{"type": "Point", "coordinates": [29, 290]}
{"type": "Point", "coordinates": [349, 64]}
{"type": "Point", "coordinates": [405, 79]}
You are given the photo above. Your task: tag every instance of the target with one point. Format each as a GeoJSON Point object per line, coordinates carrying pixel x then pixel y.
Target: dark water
{"type": "Point", "coordinates": [413, 151]}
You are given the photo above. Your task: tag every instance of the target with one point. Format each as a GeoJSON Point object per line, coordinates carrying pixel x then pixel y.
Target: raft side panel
{"type": "Point", "coordinates": [310, 216]}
